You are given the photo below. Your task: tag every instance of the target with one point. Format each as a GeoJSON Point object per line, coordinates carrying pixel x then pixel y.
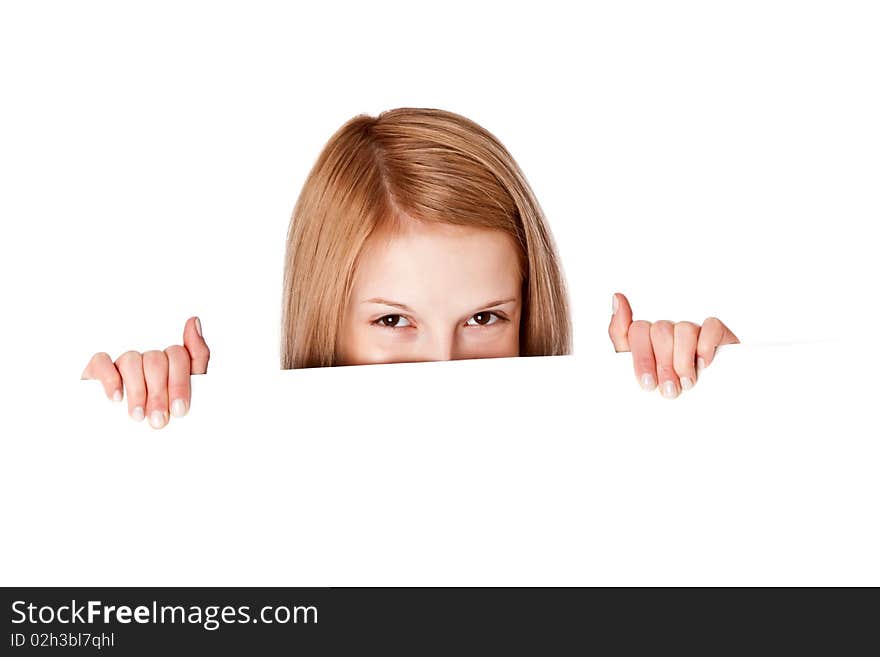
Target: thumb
{"type": "Point", "coordinates": [196, 346]}
{"type": "Point", "coordinates": [620, 321]}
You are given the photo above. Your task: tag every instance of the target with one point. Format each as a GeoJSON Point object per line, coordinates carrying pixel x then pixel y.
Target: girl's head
{"type": "Point", "coordinates": [416, 237]}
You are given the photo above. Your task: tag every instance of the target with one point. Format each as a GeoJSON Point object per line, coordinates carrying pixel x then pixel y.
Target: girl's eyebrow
{"type": "Point", "coordinates": [403, 306]}
{"type": "Point", "coordinates": [386, 302]}
{"type": "Point", "coordinates": [498, 302]}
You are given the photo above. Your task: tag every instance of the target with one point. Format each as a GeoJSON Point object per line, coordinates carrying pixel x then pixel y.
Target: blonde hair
{"type": "Point", "coordinates": [426, 164]}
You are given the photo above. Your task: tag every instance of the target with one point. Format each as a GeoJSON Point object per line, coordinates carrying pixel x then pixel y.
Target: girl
{"type": "Point", "coordinates": [416, 237]}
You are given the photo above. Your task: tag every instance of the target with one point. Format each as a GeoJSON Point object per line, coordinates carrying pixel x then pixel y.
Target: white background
{"type": "Point", "coordinates": [702, 158]}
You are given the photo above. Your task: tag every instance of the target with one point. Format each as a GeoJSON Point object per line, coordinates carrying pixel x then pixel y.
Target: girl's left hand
{"type": "Point", "coordinates": [669, 352]}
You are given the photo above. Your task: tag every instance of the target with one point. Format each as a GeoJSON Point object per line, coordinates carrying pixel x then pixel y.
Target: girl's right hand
{"type": "Point", "coordinates": [154, 381]}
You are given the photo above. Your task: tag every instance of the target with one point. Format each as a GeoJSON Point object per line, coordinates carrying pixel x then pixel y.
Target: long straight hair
{"type": "Point", "coordinates": [427, 164]}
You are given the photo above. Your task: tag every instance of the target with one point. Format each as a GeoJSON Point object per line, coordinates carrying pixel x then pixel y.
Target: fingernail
{"type": "Point", "coordinates": [614, 304]}
{"type": "Point", "coordinates": [117, 395]}
{"type": "Point", "coordinates": [647, 382]}
{"type": "Point", "coordinates": [178, 408]}
{"type": "Point", "coordinates": [669, 390]}
{"type": "Point", "coordinates": [700, 364]}
{"type": "Point", "coordinates": [157, 419]}
{"type": "Point", "coordinates": [199, 327]}
{"type": "Point", "coordinates": [686, 383]}
{"type": "Point", "coordinates": [137, 414]}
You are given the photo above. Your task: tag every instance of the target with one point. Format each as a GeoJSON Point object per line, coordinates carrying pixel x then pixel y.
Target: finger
{"type": "Point", "coordinates": [130, 365]}
{"type": "Point", "coordinates": [685, 353]}
{"type": "Point", "coordinates": [639, 338]}
{"type": "Point", "coordinates": [621, 318]}
{"type": "Point", "coordinates": [156, 376]}
{"type": "Point", "coordinates": [178, 379]}
{"type": "Point", "coordinates": [713, 333]}
{"type": "Point", "coordinates": [663, 340]}
{"type": "Point", "coordinates": [196, 346]}
{"type": "Point", "coordinates": [101, 367]}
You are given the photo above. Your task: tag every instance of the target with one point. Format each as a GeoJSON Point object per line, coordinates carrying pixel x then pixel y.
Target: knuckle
{"type": "Point", "coordinates": [176, 350]}
{"type": "Point", "coordinates": [111, 379]}
{"type": "Point", "coordinates": [640, 325]}
{"type": "Point", "coordinates": [128, 356]}
{"type": "Point", "coordinates": [684, 370]}
{"type": "Point", "coordinates": [157, 402]}
{"type": "Point", "coordinates": [711, 321]}
{"type": "Point", "coordinates": [686, 330]}
{"type": "Point", "coordinates": [663, 327]}
{"type": "Point", "coordinates": [136, 393]}
{"type": "Point", "coordinates": [156, 387]}
{"type": "Point", "coordinates": [178, 390]}
{"type": "Point", "coordinates": [155, 357]}
{"type": "Point", "coordinates": [644, 364]}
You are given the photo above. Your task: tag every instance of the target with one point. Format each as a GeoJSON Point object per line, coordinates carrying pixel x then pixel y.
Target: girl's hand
{"type": "Point", "coordinates": [671, 353]}
{"type": "Point", "coordinates": [153, 378]}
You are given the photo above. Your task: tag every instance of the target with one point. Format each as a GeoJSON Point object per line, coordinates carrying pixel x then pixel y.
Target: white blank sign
{"type": "Point", "coordinates": [524, 471]}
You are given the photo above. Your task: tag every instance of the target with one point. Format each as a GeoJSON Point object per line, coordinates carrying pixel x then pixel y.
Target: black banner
{"type": "Point", "coordinates": [316, 621]}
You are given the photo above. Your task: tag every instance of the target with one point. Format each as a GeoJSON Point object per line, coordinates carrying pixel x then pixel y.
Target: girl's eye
{"type": "Point", "coordinates": [392, 321]}
{"type": "Point", "coordinates": [399, 321]}
{"type": "Point", "coordinates": [483, 319]}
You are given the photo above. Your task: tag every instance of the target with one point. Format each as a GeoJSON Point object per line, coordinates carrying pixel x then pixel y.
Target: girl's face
{"type": "Point", "coordinates": [433, 292]}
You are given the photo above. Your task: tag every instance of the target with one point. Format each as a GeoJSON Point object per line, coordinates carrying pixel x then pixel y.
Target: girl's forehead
{"type": "Point", "coordinates": [443, 257]}
{"type": "Point", "coordinates": [437, 243]}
